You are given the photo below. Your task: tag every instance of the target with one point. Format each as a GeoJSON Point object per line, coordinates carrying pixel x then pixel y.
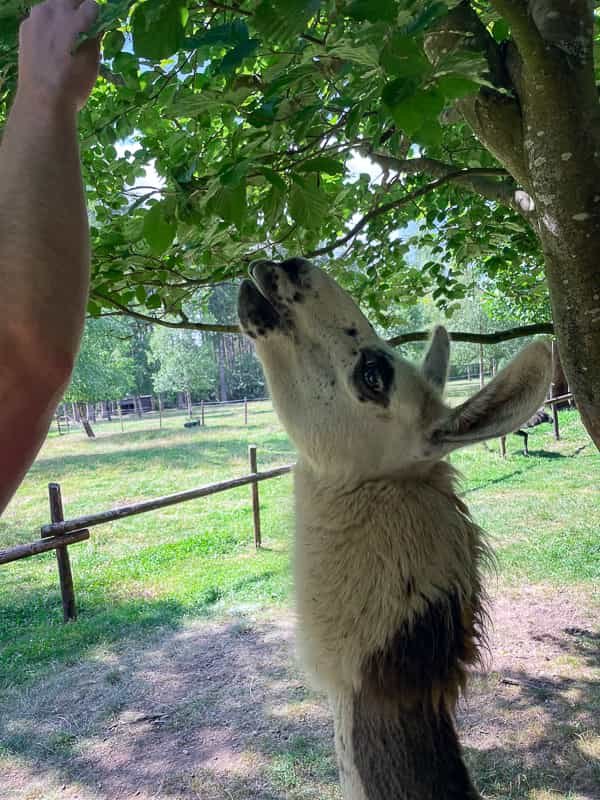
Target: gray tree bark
{"type": "Point", "coordinates": [547, 135]}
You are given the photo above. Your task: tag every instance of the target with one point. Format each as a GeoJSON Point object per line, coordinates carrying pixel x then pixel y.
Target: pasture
{"type": "Point", "coordinates": [178, 681]}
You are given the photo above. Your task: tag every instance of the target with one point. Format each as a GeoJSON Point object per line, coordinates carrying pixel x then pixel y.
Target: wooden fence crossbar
{"type": "Point", "coordinates": [34, 548]}
{"type": "Point", "coordinates": [102, 517]}
{"type": "Point", "coordinates": [559, 399]}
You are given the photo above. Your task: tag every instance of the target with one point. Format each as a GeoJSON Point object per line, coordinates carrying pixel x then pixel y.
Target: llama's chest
{"type": "Point", "coordinates": [362, 570]}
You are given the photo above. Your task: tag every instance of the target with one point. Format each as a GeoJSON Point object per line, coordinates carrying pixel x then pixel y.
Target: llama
{"type": "Point", "coordinates": [388, 562]}
{"type": "Point", "coordinates": [539, 418]}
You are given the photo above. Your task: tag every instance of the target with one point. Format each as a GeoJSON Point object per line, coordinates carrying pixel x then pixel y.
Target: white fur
{"type": "Point", "coordinates": [375, 505]}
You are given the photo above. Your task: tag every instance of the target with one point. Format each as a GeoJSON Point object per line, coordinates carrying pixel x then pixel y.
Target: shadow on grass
{"type": "Point", "coordinates": [34, 638]}
{"type": "Point", "coordinates": [552, 725]}
{"type": "Point", "coordinates": [493, 481]}
{"type": "Point", "coordinates": [217, 710]}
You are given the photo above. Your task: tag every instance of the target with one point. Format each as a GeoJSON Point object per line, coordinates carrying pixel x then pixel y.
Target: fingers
{"type": "Point", "coordinates": [87, 13]}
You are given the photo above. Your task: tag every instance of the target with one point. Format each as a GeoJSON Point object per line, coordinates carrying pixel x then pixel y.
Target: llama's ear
{"type": "Point", "coordinates": [508, 401]}
{"type": "Point", "coordinates": [435, 365]}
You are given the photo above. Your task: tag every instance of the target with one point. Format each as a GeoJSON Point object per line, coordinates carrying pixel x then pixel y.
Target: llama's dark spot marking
{"type": "Point", "coordinates": [413, 753]}
{"type": "Point", "coordinates": [298, 297]}
{"type": "Point", "coordinates": [410, 586]}
{"type": "Point", "coordinates": [425, 659]}
{"type": "Point", "coordinates": [351, 331]}
{"type": "Point", "coordinates": [332, 382]}
{"type": "Point", "coordinates": [261, 331]}
{"type": "Point", "coordinates": [251, 334]}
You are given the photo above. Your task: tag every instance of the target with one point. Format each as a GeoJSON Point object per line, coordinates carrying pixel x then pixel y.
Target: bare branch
{"type": "Point", "coordinates": [110, 76]}
{"type": "Point", "coordinates": [209, 327]}
{"type": "Point", "coordinates": [494, 116]}
{"type": "Point", "coordinates": [451, 177]}
{"type": "Point", "coordinates": [504, 192]}
{"type": "Point", "coordinates": [477, 338]}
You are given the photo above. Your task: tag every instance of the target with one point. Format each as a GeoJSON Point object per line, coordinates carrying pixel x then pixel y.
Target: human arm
{"type": "Point", "coordinates": [44, 239]}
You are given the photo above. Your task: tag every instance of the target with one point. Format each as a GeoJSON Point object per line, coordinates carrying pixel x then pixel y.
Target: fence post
{"type": "Point", "coordinates": [62, 556]}
{"type": "Point", "coordinates": [503, 446]}
{"type": "Point", "coordinates": [202, 413]}
{"type": "Point", "coordinates": [245, 410]}
{"type": "Point", "coordinates": [255, 497]}
{"type": "Point", "coordinates": [555, 421]}
{"type": "Point", "coordinates": [160, 408]}
{"type": "Point", "coordinates": [58, 422]}
{"type": "Point", "coordinates": [120, 416]}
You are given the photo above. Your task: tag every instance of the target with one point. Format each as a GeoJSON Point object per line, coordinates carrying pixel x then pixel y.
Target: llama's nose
{"type": "Point", "coordinates": [295, 269]}
{"type": "Point", "coordinates": [257, 264]}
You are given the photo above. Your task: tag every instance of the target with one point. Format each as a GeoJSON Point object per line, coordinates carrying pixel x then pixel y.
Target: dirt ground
{"type": "Point", "coordinates": [219, 711]}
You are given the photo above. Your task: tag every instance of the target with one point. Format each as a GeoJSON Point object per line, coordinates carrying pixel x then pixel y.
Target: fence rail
{"type": "Point", "coordinates": [60, 532]}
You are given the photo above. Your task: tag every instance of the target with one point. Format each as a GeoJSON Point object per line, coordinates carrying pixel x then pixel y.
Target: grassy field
{"type": "Point", "coordinates": [542, 513]}
{"type": "Point", "coordinates": [142, 582]}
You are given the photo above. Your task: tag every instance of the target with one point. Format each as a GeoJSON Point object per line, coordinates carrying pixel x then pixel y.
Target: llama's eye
{"type": "Point", "coordinates": [371, 377]}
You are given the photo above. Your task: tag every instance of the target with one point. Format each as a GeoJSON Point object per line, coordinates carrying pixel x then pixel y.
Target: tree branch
{"type": "Point", "coordinates": [451, 177]}
{"type": "Point", "coordinates": [523, 29]}
{"type": "Point", "coordinates": [477, 338]}
{"type": "Point", "coordinates": [494, 116]}
{"type": "Point", "coordinates": [504, 192]}
{"type": "Point", "coordinates": [209, 327]}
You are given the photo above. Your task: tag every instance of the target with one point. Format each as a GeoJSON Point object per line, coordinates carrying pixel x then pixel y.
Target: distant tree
{"type": "Point", "coordinates": [185, 363]}
{"type": "Point", "coordinates": [104, 369]}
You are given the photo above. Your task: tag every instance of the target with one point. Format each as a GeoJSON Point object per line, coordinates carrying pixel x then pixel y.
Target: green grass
{"type": "Point", "coordinates": [197, 558]}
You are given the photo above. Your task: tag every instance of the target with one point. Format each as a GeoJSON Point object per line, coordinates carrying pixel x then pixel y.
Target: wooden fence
{"type": "Point", "coordinates": [61, 532]}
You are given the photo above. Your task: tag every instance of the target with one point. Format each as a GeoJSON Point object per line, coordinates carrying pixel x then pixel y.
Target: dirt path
{"type": "Point", "coordinates": [220, 712]}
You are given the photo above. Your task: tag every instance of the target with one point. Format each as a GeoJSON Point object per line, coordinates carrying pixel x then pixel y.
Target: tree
{"type": "Point", "coordinates": [482, 116]}
{"type": "Point", "coordinates": [185, 362]}
{"type": "Point", "coordinates": [104, 369]}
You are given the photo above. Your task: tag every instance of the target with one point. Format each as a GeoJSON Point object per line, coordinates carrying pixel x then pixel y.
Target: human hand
{"type": "Point", "coordinates": [50, 69]}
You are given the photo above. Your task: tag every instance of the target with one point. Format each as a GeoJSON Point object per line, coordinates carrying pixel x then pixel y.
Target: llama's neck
{"type": "Point", "coordinates": [393, 753]}
{"type": "Point", "coordinates": [389, 607]}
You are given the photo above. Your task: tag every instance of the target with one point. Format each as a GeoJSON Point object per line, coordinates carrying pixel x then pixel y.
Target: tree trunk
{"type": "Point", "coordinates": [188, 396]}
{"type": "Point", "coordinates": [481, 367]}
{"type": "Point", "coordinates": [548, 138]}
{"type": "Point", "coordinates": [221, 364]}
{"type": "Point", "coordinates": [138, 405]}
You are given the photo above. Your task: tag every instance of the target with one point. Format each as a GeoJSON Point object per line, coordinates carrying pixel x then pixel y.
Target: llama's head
{"type": "Point", "coordinates": [348, 401]}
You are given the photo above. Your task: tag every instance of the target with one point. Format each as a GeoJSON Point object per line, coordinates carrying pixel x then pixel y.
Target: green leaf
{"type": "Point", "coordinates": [140, 294]}
{"type": "Point", "coordinates": [93, 308]}
{"type": "Point", "coordinates": [500, 30]}
{"type": "Point", "coordinates": [153, 301]}
{"type": "Point", "coordinates": [308, 205]}
{"type": "Point", "coordinates": [110, 13]}
{"type": "Point", "coordinates": [273, 205]}
{"type": "Point", "coordinates": [158, 28]}
{"type": "Point", "coordinates": [373, 10]}
{"type": "Point", "coordinates": [455, 86]}
{"type": "Point", "coordinates": [329, 166]}
{"type": "Point", "coordinates": [159, 229]}
{"type": "Point", "coordinates": [229, 203]}
{"type": "Point", "coordinates": [404, 57]}
{"type": "Point", "coordinates": [415, 111]}
{"type": "Point", "coordinates": [281, 20]}
{"type": "Point", "coordinates": [399, 90]}
{"type": "Point", "coordinates": [235, 57]}
{"type": "Point", "coordinates": [112, 44]}
{"type": "Point", "coordinates": [274, 178]}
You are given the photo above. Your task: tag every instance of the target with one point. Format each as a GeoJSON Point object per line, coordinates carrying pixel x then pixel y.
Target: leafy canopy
{"type": "Point", "coordinates": [224, 131]}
